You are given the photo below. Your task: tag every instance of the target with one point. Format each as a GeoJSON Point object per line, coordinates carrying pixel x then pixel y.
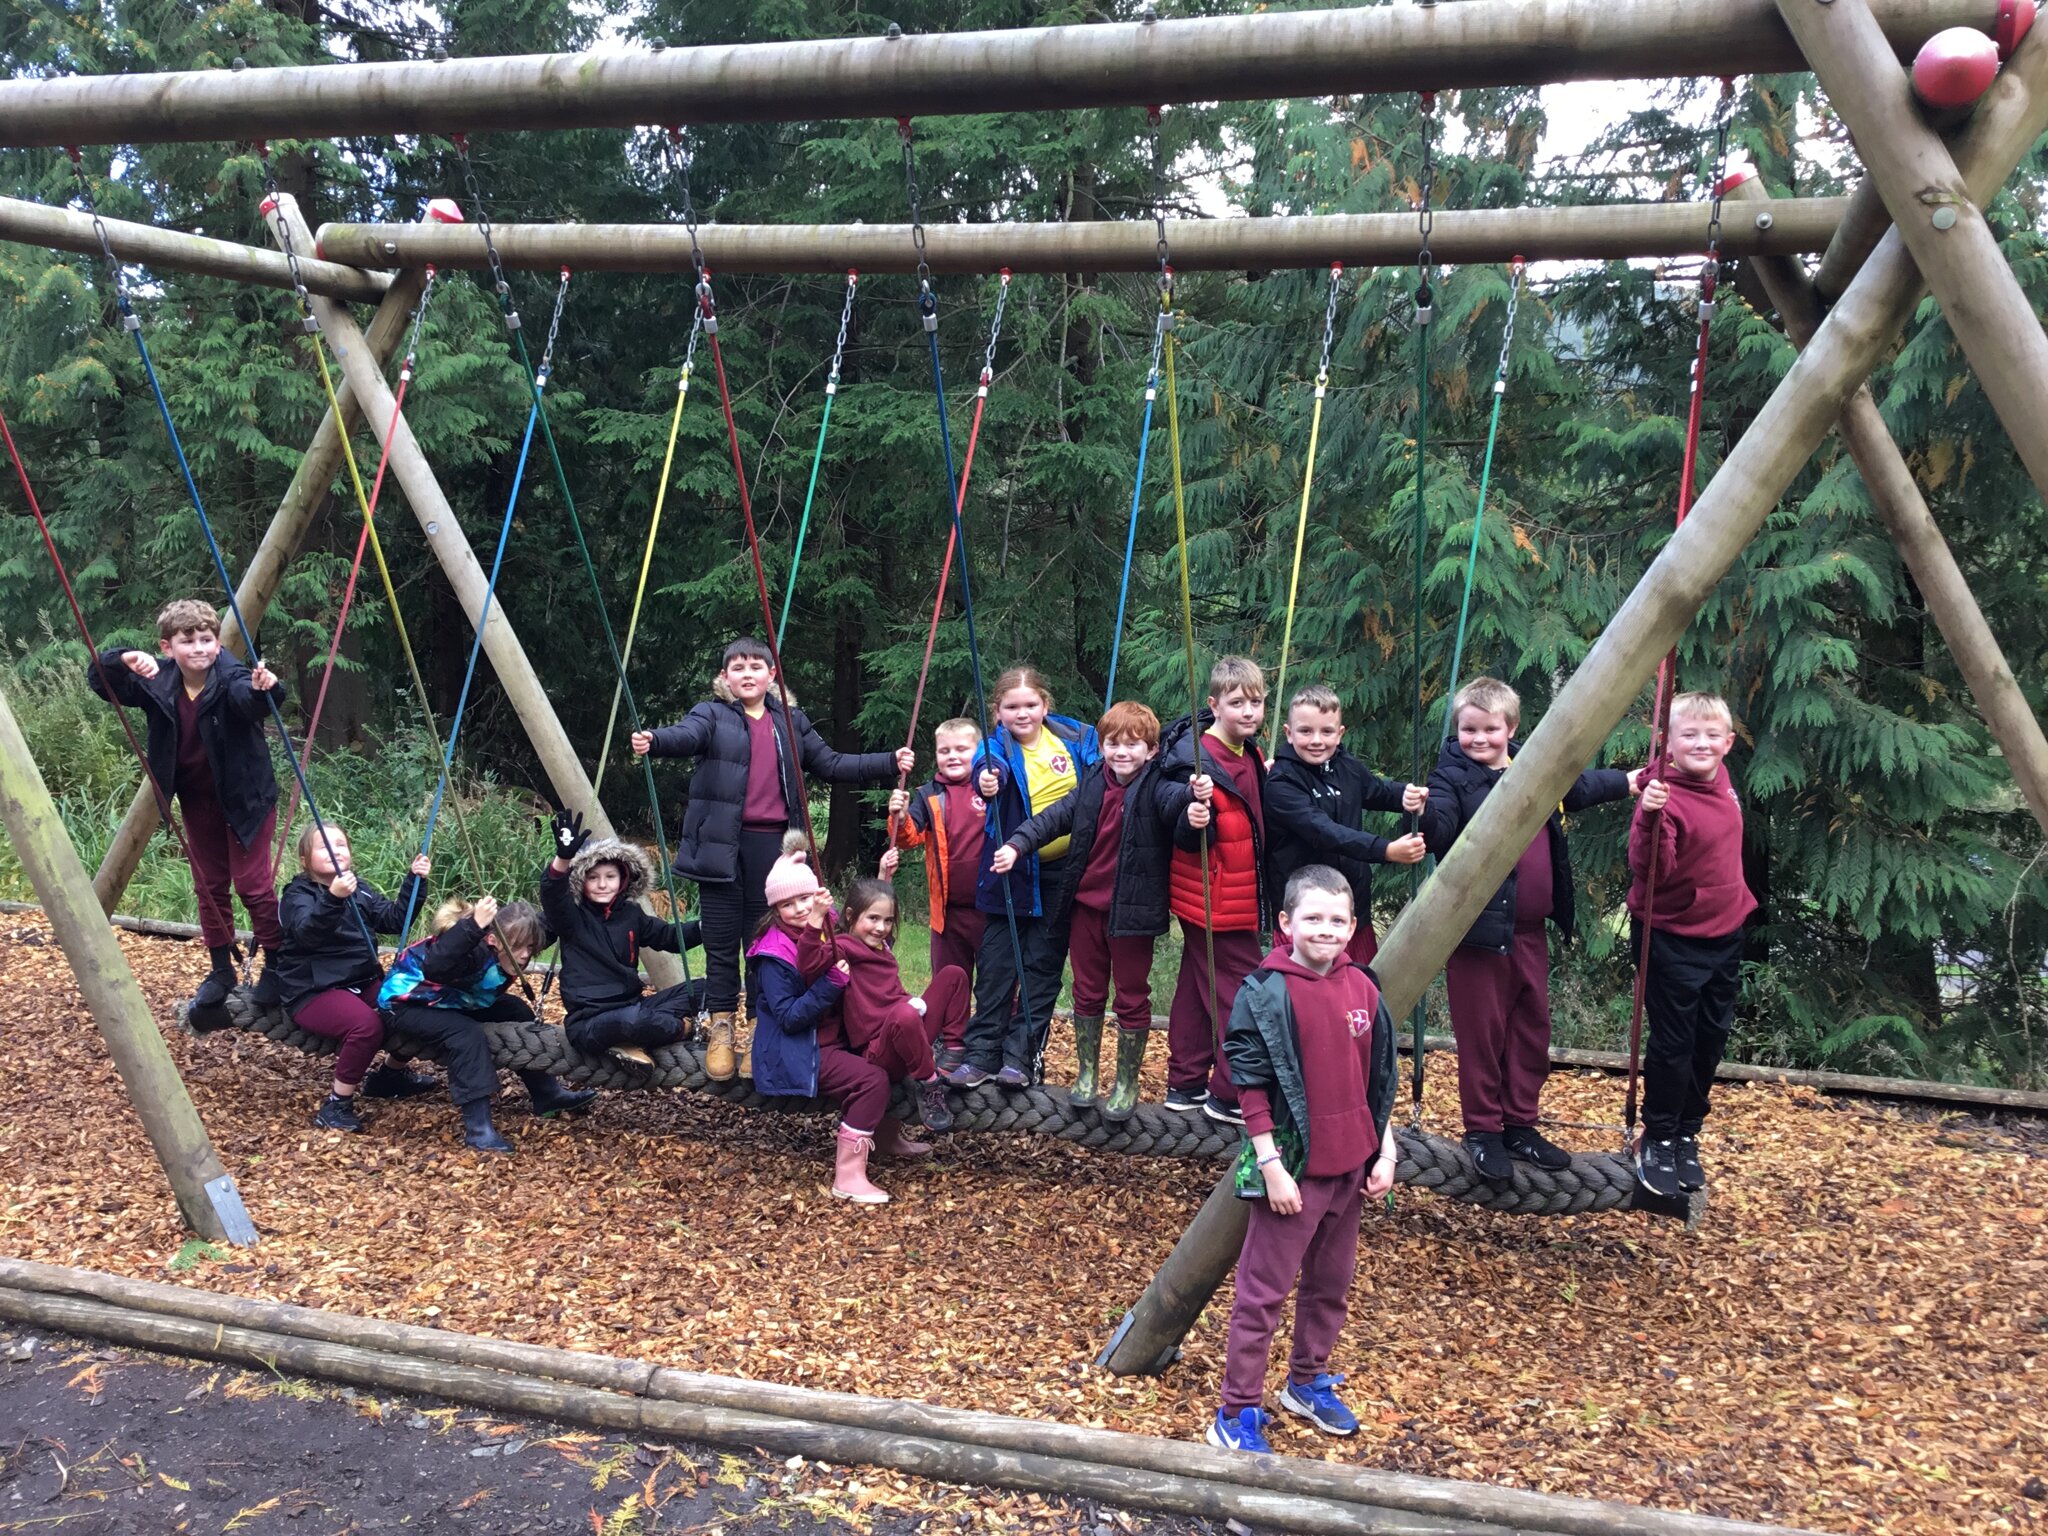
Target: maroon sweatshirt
{"type": "Point", "coordinates": [1700, 890]}
{"type": "Point", "coordinates": [1333, 1029]}
{"type": "Point", "coordinates": [1098, 880]}
{"type": "Point", "coordinates": [874, 991]}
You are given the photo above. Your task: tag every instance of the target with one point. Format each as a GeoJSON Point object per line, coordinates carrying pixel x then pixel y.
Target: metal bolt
{"type": "Point", "coordinates": [658, 44]}
{"type": "Point", "coordinates": [440, 54]}
{"type": "Point", "coordinates": [390, 247]}
{"type": "Point", "coordinates": [1764, 220]}
{"type": "Point", "coordinates": [1944, 218]}
{"type": "Point", "coordinates": [1148, 13]}
{"type": "Point", "coordinates": [894, 32]}
{"type": "Point", "coordinates": [239, 63]}
{"type": "Point", "coordinates": [432, 529]}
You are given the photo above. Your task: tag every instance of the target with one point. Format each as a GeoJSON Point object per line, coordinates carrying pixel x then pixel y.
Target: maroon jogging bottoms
{"type": "Point", "coordinates": [219, 863]}
{"type": "Point", "coordinates": [1320, 1245]}
{"type": "Point", "coordinates": [1193, 1059]}
{"type": "Point", "coordinates": [1500, 1012]}
{"type": "Point", "coordinates": [1098, 960]}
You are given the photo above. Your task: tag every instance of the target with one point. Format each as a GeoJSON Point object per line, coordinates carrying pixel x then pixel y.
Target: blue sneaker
{"type": "Point", "coordinates": [1317, 1401]}
{"type": "Point", "coordinates": [1244, 1430]}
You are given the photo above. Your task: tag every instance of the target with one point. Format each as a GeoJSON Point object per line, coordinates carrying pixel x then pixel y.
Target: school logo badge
{"type": "Point", "coordinates": [1360, 1020]}
{"type": "Point", "coordinates": [980, 805]}
{"type": "Point", "coordinates": [1060, 763]}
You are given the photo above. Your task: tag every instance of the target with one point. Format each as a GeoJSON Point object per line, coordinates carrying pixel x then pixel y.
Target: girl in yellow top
{"type": "Point", "coordinates": [1031, 760]}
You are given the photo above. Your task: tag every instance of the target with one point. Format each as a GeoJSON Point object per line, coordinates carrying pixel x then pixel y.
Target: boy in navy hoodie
{"type": "Point", "coordinates": [1317, 795]}
{"type": "Point", "coordinates": [1499, 976]}
{"type": "Point", "coordinates": [1311, 1051]}
{"type": "Point", "coordinates": [1695, 914]}
{"type": "Point", "coordinates": [207, 748]}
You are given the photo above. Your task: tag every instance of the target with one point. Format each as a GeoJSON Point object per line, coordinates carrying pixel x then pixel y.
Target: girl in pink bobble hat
{"type": "Point", "coordinates": [800, 1046]}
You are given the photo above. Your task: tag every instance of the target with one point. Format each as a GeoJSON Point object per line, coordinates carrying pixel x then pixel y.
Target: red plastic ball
{"type": "Point", "coordinates": [1955, 67]}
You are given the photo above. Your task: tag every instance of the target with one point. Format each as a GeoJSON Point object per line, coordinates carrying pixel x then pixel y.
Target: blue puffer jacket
{"type": "Point", "coordinates": [1009, 810]}
{"type": "Point", "coordinates": [787, 1015]}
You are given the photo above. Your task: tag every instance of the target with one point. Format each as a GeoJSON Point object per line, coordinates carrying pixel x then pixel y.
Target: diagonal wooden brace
{"type": "Point", "coordinates": [1933, 211]}
{"type": "Point", "coordinates": [1896, 496]}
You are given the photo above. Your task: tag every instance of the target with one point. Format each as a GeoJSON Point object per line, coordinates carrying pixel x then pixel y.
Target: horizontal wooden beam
{"type": "Point", "coordinates": [1267, 55]}
{"type": "Point", "coordinates": [1787, 227]}
{"type": "Point", "coordinates": [170, 250]}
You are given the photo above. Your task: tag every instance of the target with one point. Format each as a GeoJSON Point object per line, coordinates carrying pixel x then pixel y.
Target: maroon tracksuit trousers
{"type": "Point", "coordinates": [1099, 959]}
{"type": "Point", "coordinates": [1500, 1012]}
{"type": "Point", "coordinates": [1320, 1245]}
{"type": "Point", "coordinates": [1193, 1032]}
{"type": "Point", "coordinates": [958, 945]}
{"type": "Point", "coordinates": [220, 862]}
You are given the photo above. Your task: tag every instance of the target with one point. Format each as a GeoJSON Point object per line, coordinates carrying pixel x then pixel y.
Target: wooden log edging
{"type": "Point", "coordinates": [953, 1445]}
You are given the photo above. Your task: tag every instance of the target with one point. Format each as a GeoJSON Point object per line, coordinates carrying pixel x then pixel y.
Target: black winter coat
{"type": "Point", "coordinates": [324, 945]}
{"type": "Point", "coordinates": [1458, 787]}
{"type": "Point", "coordinates": [1138, 907]}
{"type": "Point", "coordinates": [716, 732]}
{"type": "Point", "coordinates": [231, 716]}
{"type": "Point", "coordinates": [1313, 817]}
{"type": "Point", "coordinates": [601, 945]}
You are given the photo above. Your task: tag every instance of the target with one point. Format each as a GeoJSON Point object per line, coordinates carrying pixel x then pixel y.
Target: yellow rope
{"type": "Point", "coordinates": [668, 459]}
{"type": "Point", "coordinates": [1308, 480]}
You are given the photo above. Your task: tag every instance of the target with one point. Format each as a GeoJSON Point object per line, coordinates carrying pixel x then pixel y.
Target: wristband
{"type": "Point", "coordinates": [1273, 1159]}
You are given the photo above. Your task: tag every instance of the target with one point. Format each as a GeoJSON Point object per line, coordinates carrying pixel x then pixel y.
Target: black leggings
{"type": "Point", "coordinates": [650, 1022]}
{"type": "Point", "coordinates": [465, 1049]}
{"type": "Point", "coordinates": [731, 910]}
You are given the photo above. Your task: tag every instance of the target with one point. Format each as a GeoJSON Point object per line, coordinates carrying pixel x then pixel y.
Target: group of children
{"type": "Point", "coordinates": [1051, 842]}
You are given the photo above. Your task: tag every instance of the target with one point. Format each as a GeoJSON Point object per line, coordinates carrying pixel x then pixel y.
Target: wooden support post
{"type": "Point", "coordinates": [1794, 421]}
{"type": "Point", "coordinates": [1941, 223]}
{"type": "Point", "coordinates": [266, 567]}
{"type": "Point", "coordinates": [205, 1193]}
{"type": "Point", "coordinates": [1906, 517]}
{"type": "Point", "coordinates": [522, 685]}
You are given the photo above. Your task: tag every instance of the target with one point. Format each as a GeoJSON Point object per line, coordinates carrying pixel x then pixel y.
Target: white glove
{"type": "Point", "coordinates": [918, 1004]}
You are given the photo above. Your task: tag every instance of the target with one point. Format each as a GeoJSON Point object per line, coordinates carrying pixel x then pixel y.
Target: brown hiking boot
{"type": "Point", "coordinates": [719, 1061]}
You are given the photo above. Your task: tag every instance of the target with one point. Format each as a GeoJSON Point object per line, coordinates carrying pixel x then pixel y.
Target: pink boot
{"type": "Point", "coordinates": [891, 1142]}
{"type": "Point", "coordinates": [850, 1174]}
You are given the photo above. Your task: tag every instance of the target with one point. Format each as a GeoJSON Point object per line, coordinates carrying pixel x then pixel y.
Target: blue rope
{"type": "Point", "coordinates": [1131, 537]}
{"type": "Point", "coordinates": [483, 618]}
{"type": "Point", "coordinates": [928, 308]}
{"type": "Point", "coordinates": [133, 324]}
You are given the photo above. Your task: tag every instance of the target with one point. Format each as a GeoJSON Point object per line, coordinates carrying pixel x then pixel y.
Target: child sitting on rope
{"type": "Point", "coordinates": [1117, 902]}
{"type": "Point", "coordinates": [949, 820]}
{"type": "Point", "coordinates": [881, 1021]}
{"type": "Point", "coordinates": [329, 971]}
{"type": "Point", "coordinates": [1311, 1051]}
{"type": "Point", "coordinates": [1034, 759]}
{"type": "Point", "coordinates": [1213, 797]}
{"type": "Point", "coordinates": [1695, 914]}
{"type": "Point", "coordinates": [799, 980]}
{"type": "Point", "coordinates": [446, 987]}
{"type": "Point", "coordinates": [589, 895]}
{"type": "Point", "coordinates": [743, 797]}
{"type": "Point", "coordinates": [1317, 795]}
{"type": "Point", "coordinates": [207, 747]}
{"type": "Point", "coordinates": [1498, 978]}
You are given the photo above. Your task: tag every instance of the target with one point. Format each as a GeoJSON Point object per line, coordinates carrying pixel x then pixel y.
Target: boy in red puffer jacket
{"type": "Point", "coordinates": [1695, 914]}
{"type": "Point", "coordinates": [1211, 794]}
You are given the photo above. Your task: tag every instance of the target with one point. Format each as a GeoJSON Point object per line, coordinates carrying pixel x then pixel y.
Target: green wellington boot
{"type": "Point", "coordinates": [1130, 1055]}
{"type": "Point", "coordinates": [1087, 1046]}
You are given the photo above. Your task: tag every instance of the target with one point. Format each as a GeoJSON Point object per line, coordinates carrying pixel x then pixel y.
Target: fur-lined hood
{"type": "Point", "coordinates": [723, 694]}
{"type": "Point", "coordinates": [630, 857]}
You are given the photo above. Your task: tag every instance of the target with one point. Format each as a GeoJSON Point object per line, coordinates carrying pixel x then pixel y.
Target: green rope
{"type": "Point", "coordinates": [803, 527]}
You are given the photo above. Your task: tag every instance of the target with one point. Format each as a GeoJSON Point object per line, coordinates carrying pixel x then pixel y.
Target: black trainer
{"type": "Point", "coordinates": [1222, 1111]}
{"type": "Point", "coordinates": [1526, 1144]}
{"type": "Point", "coordinates": [1186, 1101]}
{"type": "Point", "coordinates": [1657, 1167]}
{"type": "Point", "coordinates": [932, 1108]}
{"type": "Point", "coordinates": [1489, 1155]}
{"type": "Point", "coordinates": [1686, 1152]}
{"type": "Point", "coordinates": [389, 1082]}
{"type": "Point", "coordinates": [338, 1114]}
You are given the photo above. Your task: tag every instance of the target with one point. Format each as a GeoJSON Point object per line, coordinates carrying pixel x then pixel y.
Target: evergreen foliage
{"type": "Point", "coordinates": [1901, 877]}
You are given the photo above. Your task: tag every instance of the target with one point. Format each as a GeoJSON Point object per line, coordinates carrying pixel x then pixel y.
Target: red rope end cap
{"type": "Point", "coordinates": [1429, 101]}
{"type": "Point", "coordinates": [675, 134]}
{"type": "Point", "coordinates": [1152, 116]}
{"type": "Point", "coordinates": [1005, 274]}
{"type": "Point", "coordinates": [77, 156]}
{"type": "Point", "coordinates": [1516, 264]}
{"type": "Point", "coordinates": [2015, 20]}
{"type": "Point", "coordinates": [1336, 269]}
{"type": "Point", "coordinates": [565, 274]}
{"type": "Point", "coordinates": [853, 274]}
{"type": "Point", "coordinates": [903, 126]}
{"type": "Point", "coordinates": [1734, 179]}
{"type": "Point", "coordinates": [460, 141]}
{"type": "Point", "coordinates": [267, 207]}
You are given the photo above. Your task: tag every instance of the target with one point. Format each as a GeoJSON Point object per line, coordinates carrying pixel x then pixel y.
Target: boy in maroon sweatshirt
{"type": "Point", "coordinates": [1694, 905]}
{"type": "Point", "coordinates": [1311, 1050]}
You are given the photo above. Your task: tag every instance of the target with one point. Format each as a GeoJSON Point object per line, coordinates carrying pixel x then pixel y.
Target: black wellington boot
{"type": "Point", "coordinates": [477, 1130]}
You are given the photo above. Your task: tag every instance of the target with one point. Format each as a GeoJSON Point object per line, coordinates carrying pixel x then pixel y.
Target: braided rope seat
{"type": "Point", "coordinates": [1593, 1182]}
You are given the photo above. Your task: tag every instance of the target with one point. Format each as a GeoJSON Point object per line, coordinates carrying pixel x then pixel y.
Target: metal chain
{"type": "Point", "coordinates": [547, 353]}
{"type": "Point", "coordinates": [129, 320]}
{"type": "Point", "coordinates": [1329, 325]}
{"type": "Point", "coordinates": [1507, 332]}
{"type": "Point", "coordinates": [309, 323]}
{"type": "Point", "coordinates": [995, 331]}
{"type": "Point", "coordinates": [1425, 215]}
{"type": "Point", "coordinates": [483, 225]}
{"type": "Point", "coordinates": [419, 320]}
{"type": "Point", "coordinates": [679, 173]}
{"type": "Point", "coordinates": [846, 320]}
{"type": "Point", "coordinates": [927, 303]}
{"type": "Point", "coordinates": [1164, 322]}
{"type": "Point", "coordinates": [1710, 276]}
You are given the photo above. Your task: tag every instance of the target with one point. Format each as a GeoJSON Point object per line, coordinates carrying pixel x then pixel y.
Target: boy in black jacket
{"type": "Point", "coordinates": [743, 797]}
{"type": "Point", "coordinates": [1499, 976]}
{"type": "Point", "coordinates": [588, 894]}
{"type": "Point", "coordinates": [206, 748]}
{"type": "Point", "coordinates": [1121, 850]}
{"type": "Point", "coordinates": [1316, 798]}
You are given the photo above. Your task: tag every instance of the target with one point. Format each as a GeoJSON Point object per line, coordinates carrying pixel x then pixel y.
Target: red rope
{"type": "Point", "coordinates": [348, 597]}
{"type": "Point", "coordinates": [106, 680]}
{"type": "Point", "coordinates": [1660, 721]}
{"type": "Point", "coordinates": [739, 469]}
